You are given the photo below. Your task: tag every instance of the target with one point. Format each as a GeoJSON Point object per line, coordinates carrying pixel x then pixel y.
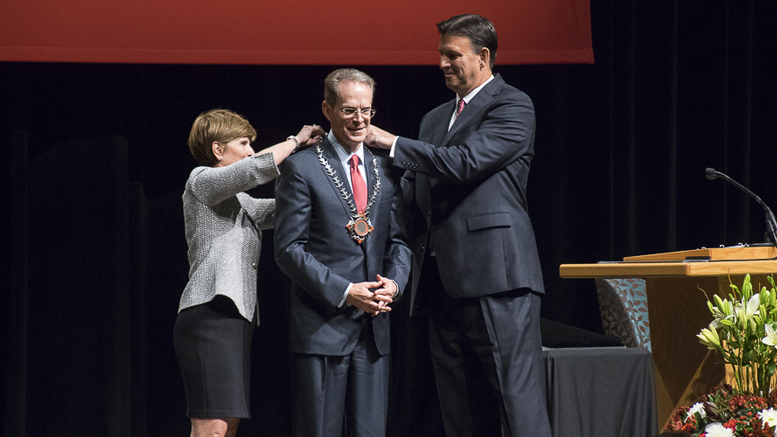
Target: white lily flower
{"type": "Point", "coordinates": [709, 337]}
{"type": "Point", "coordinates": [746, 311]}
{"type": "Point", "coordinates": [771, 335]}
{"type": "Point", "coordinates": [752, 306]}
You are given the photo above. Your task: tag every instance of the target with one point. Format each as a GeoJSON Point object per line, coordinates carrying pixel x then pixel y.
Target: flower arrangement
{"type": "Point", "coordinates": [725, 413]}
{"type": "Point", "coordinates": [744, 333]}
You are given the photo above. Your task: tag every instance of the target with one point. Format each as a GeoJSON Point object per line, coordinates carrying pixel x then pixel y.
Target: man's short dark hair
{"type": "Point", "coordinates": [479, 30]}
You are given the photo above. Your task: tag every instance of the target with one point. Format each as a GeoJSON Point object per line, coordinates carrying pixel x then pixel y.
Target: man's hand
{"type": "Point", "coordinates": [377, 137]}
{"type": "Point", "coordinates": [386, 292]}
{"type": "Point", "coordinates": [361, 296]}
{"type": "Point", "coordinates": [372, 302]}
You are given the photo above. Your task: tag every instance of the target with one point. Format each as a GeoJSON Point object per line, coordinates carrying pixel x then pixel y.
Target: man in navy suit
{"type": "Point", "coordinates": [476, 269]}
{"type": "Point", "coordinates": [338, 236]}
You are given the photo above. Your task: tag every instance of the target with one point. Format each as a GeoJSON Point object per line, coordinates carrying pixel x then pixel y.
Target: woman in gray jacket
{"type": "Point", "coordinates": [218, 308]}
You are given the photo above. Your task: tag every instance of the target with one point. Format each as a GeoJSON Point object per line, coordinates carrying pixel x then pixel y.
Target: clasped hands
{"type": "Point", "coordinates": [372, 297]}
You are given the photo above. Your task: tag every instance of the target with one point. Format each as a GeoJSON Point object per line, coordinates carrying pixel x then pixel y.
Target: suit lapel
{"type": "Point", "coordinates": [441, 133]}
{"type": "Point", "coordinates": [330, 156]}
{"type": "Point", "coordinates": [373, 212]}
{"type": "Point", "coordinates": [369, 170]}
{"type": "Point", "coordinates": [473, 107]}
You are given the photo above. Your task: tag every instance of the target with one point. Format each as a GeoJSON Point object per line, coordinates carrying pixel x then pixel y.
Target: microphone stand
{"type": "Point", "coordinates": [771, 222]}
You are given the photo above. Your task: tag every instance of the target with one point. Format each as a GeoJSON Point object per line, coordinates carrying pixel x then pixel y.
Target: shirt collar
{"type": "Point", "coordinates": [472, 93]}
{"type": "Point", "coordinates": [343, 154]}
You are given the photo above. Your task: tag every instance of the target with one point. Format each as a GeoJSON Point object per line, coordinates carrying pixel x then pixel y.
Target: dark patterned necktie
{"type": "Point", "coordinates": [462, 104]}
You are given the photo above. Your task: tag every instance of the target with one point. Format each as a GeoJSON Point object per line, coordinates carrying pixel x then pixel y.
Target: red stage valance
{"type": "Point", "coordinates": [396, 32]}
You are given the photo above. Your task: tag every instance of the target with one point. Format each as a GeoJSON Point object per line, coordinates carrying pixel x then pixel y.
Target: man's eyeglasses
{"type": "Point", "coordinates": [351, 112]}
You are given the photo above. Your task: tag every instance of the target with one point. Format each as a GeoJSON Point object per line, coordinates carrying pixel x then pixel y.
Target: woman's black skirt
{"type": "Point", "coordinates": [213, 345]}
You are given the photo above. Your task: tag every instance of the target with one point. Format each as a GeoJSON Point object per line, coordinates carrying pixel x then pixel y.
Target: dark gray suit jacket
{"type": "Point", "coordinates": [467, 187]}
{"type": "Point", "coordinates": [313, 248]}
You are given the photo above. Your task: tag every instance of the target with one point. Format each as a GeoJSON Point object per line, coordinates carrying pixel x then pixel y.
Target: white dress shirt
{"type": "Point", "coordinates": [345, 158]}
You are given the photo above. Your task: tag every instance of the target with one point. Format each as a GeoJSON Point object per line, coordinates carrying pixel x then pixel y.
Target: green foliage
{"type": "Point", "coordinates": [744, 332]}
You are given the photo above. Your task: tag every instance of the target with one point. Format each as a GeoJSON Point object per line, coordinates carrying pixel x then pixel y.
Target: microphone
{"type": "Point", "coordinates": [771, 222]}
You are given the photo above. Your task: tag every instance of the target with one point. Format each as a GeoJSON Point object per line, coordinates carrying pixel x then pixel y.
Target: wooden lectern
{"type": "Point", "coordinates": [676, 283]}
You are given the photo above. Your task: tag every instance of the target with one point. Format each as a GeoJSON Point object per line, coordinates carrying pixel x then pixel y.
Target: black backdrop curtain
{"type": "Point", "coordinates": [93, 250]}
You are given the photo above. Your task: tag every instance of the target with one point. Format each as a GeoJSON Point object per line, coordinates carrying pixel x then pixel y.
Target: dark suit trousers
{"type": "Point", "coordinates": [487, 357]}
{"type": "Point", "coordinates": [328, 389]}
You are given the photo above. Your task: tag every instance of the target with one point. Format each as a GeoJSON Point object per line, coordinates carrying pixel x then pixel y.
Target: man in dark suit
{"type": "Point", "coordinates": [338, 236]}
{"type": "Point", "coordinates": [476, 269]}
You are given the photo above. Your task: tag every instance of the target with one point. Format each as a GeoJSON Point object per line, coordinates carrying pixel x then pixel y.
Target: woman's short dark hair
{"type": "Point", "coordinates": [222, 125]}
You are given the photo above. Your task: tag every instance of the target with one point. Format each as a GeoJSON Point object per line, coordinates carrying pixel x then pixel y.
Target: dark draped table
{"type": "Point", "coordinates": [594, 388]}
{"type": "Point", "coordinates": [600, 392]}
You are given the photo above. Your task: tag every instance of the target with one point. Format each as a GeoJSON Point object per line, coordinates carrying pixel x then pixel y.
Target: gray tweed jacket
{"type": "Point", "coordinates": [223, 231]}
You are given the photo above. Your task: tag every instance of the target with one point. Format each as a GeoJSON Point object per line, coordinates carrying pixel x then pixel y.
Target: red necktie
{"type": "Point", "coordinates": [359, 187]}
{"type": "Point", "coordinates": [462, 104]}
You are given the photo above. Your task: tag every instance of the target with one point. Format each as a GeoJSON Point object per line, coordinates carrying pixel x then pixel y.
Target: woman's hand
{"type": "Point", "coordinates": [310, 135]}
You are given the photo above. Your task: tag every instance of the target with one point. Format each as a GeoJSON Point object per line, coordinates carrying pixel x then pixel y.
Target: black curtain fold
{"type": "Point", "coordinates": [13, 256]}
{"type": "Point", "coordinates": [93, 249]}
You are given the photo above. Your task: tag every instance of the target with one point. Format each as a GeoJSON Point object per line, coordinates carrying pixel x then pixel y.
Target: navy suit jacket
{"type": "Point", "coordinates": [314, 249]}
{"type": "Point", "coordinates": [467, 188]}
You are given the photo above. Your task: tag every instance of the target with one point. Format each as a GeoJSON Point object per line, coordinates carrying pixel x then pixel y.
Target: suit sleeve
{"type": "Point", "coordinates": [211, 185]}
{"type": "Point", "coordinates": [293, 209]}
{"type": "Point", "coordinates": [480, 148]}
{"type": "Point", "coordinates": [396, 261]}
{"type": "Point", "coordinates": [262, 212]}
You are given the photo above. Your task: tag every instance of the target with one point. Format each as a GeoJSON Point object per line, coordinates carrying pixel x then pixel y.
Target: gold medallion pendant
{"type": "Point", "coordinates": [359, 227]}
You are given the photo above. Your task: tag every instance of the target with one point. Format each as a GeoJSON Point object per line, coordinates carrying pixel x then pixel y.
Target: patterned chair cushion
{"type": "Point", "coordinates": [623, 305]}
